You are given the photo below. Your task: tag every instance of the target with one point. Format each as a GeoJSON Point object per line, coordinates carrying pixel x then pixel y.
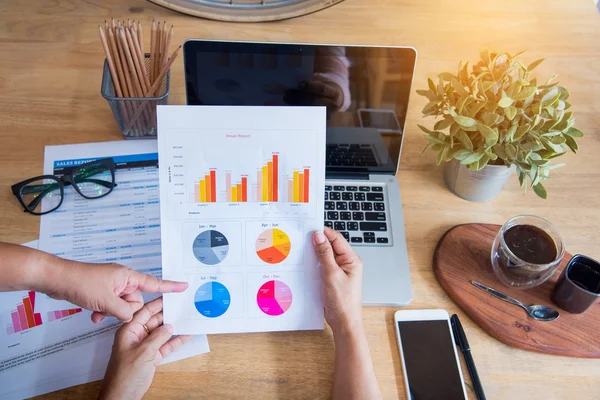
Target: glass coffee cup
{"type": "Point", "coordinates": [527, 251]}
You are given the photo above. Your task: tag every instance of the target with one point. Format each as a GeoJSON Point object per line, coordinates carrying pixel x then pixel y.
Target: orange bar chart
{"type": "Point", "coordinates": [299, 186]}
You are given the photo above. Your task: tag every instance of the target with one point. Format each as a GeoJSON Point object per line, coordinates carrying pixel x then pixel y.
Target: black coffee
{"type": "Point", "coordinates": [585, 277]}
{"type": "Point", "coordinates": [531, 244]}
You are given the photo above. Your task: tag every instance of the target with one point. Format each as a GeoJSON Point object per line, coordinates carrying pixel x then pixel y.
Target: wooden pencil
{"type": "Point", "coordinates": [111, 65]}
{"type": "Point", "coordinates": [140, 35]}
{"type": "Point", "coordinates": [152, 51]}
{"type": "Point", "coordinates": [140, 56]}
{"type": "Point", "coordinates": [136, 61]}
{"type": "Point", "coordinates": [167, 45]}
{"type": "Point", "coordinates": [163, 45]}
{"type": "Point", "coordinates": [136, 82]}
{"type": "Point", "coordinates": [118, 63]}
{"type": "Point", "coordinates": [158, 50]}
{"type": "Point", "coordinates": [157, 82]}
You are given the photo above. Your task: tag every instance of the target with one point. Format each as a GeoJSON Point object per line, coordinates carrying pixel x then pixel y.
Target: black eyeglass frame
{"type": "Point", "coordinates": [67, 179]}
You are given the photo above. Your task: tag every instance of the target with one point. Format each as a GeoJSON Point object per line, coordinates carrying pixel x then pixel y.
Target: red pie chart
{"type": "Point", "coordinates": [274, 298]}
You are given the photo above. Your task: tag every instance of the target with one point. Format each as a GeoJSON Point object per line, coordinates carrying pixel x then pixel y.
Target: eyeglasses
{"type": "Point", "coordinates": [92, 180]}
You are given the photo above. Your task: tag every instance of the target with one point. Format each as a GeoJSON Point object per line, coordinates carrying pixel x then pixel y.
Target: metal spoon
{"type": "Point", "coordinates": [537, 312]}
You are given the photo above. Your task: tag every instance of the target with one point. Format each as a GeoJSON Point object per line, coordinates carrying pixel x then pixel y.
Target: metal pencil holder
{"type": "Point", "coordinates": [136, 116]}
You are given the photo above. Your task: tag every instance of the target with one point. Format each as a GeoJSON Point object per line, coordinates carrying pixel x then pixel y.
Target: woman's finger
{"type": "Point", "coordinates": [155, 321]}
{"type": "Point", "coordinates": [157, 338]}
{"type": "Point", "coordinates": [173, 344]}
{"type": "Point", "coordinates": [338, 243]}
{"type": "Point", "coordinates": [324, 253]}
{"type": "Point", "coordinates": [147, 311]}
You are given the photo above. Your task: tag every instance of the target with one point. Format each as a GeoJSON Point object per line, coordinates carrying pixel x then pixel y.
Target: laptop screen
{"type": "Point", "coordinates": [365, 90]}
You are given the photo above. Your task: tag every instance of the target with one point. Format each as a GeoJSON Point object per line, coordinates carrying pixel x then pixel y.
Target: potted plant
{"type": "Point", "coordinates": [496, 119]}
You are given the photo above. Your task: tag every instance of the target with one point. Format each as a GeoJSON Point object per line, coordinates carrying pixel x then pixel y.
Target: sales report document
{"type": "Point", "coordinates": [241, 194]}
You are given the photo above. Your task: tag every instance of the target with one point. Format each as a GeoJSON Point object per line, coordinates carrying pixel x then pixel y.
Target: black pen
{"type": "Point", "coordinates": [461, 341]}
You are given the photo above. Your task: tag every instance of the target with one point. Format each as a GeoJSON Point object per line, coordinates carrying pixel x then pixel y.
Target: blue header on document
{"type": "Point", "coordinates": [121, 162]}
{"type": "Point", "coordinates": [118, 160]}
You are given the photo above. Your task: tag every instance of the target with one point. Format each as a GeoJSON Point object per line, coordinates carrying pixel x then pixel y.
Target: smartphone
{"type": "Point", "coordinates": [429, 357]}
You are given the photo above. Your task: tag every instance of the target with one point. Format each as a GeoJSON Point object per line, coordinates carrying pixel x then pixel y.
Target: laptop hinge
{"type": "Point", "coordinates": [352, 175]}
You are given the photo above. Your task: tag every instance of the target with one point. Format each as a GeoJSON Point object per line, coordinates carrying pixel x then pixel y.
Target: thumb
{"type": "Point", "coordinates": [158, 337]}
{"type": "Point", "coordinates": [324, 252]}
{"type": "Point", "coordinates": [120, 309]}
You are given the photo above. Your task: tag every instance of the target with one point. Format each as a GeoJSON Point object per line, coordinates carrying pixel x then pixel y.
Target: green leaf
{"type": "Point", "coordinates": [483, 162]}
{"type": "Point", "coordinates": [521, 131]}
{"type": "Point", "coordinates": [522, 177]}
{"type": "Point", "coordinates": [458, 87]}
{"type": "Point", "coordinates": [446, 76]}
{"type": "Point", "coordinates": [511, 133]}
{"type": "Point", "coordinates": [465, 121]}
{"type": "Point", "coordinates": [490, 119]}
{"type": "Point", "coordinates": [540, 190]}
{"type": "Point", "coordinates": [434, 133]}
{"type": "Point", "coordinates": [485, 57]}
{"type": "Point", "coordinates": [540, 163]}
{"type": "Point", "coordinates": [472, 158]}
{"type": "Point", "coordinates": [510, 112]}
{"type": "Point", "coordinates": [461, 103]}
{"type": "Point", "coordinates": [425, 149]}
{"type": "Point", "coordinates": [572, 144]}
{"type": "Point", "coordinates": [491, 136]}
{"type": "Point", "coordinates": [534, 64]}
{"type": "Point", "coordinates": [434, 140]}
{"type": "Point", "coordinates": [511, 151]}
{"type": "Point", "coordinates": [475, 107]}
{"type": "Point", "coordinates": [432, 96]}
{"type": "Point", "coordinates": [525, 93]}
{"type": "Point", "coordinates": [440, 157]}
{"type": "Point", "coordinates": [443, 124]}
{"type": "Point", "coordinates": [464, 140]}
{"type": "Point", "coordinates": [551, 146]}
{"type": "Point", "coordinates": [550, 94]}
{"type": "Point", "coordinates": [553, 166]}
{"type": "Point", "coordinates": [573, 132]}
{"type": "Point", "coordinates": [431, 106]}
{"type": "Point", "coordinates": [462, 154]}
{"type": "Point", "coordinates": [431, 85]}
{"type": "Point", "coordinates": [553, 133]}
{"type": "Point", "coordinates": [505, 102]}
{"type": "Point", "coordinates": [440, 87]}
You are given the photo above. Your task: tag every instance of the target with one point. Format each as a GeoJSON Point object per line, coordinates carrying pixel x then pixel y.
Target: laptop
{"type": "Point", "coordinates": [366, 91]}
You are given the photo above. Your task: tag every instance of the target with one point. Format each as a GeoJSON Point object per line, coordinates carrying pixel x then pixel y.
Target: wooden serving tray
{"type": "Point", "coordinates": [463, 254]}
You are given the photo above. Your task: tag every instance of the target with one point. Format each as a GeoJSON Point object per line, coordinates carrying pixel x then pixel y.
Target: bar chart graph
{"type": "Point", "coordinates": [24, 317]}
{"type": "Point", "coordinates": [205, 191]}
{"type": "Point", "coordinates": [269, 186]}
{"type": "Point", "coordinates": [58, 314]}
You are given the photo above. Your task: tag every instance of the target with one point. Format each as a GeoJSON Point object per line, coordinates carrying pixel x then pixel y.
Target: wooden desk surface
{"type": "Point", "coordinates": [50, 72]}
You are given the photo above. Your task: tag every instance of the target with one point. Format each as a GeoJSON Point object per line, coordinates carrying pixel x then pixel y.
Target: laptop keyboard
{"type": "Point", "coordinates": [351, 155]}
{"type": "Point", "coordinates": [358, 212]}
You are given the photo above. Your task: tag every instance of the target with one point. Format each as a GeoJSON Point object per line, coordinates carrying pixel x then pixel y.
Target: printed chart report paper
{"type": "Point", "coordinates": [241, 193]}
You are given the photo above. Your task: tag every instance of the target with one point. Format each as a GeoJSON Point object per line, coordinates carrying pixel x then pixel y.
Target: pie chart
{"type": "Point", "coordinates": [212, 299]}
{"type": "Point", "coordinates": [210, 247]}
{"type": "Point", "coordinates": [273, 246]}
{"type": "Point", "coordinates": [274, 298]}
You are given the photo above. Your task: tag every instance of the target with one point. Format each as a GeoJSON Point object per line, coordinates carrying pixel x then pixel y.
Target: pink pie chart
{"type": "Point", "coordinates": [274, 298]}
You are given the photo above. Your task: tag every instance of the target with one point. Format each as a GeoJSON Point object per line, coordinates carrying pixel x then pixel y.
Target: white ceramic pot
{"type": "Point", "coordinates": [478, 186]}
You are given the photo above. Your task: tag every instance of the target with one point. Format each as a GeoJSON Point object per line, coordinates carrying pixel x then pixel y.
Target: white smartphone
{"type": "Point", "coordinates": [429, 357]}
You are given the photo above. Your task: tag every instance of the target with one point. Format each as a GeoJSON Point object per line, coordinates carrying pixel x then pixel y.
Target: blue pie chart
{"type": "Point", "coordinates": [210, 247]}
{"type": "Point", "coordinates": [212, 299]}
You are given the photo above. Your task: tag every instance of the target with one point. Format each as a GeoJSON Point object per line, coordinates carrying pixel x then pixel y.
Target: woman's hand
{"type": "Point", "coordinates": [341, 271]}
{"type": "Point", "coordinates": [107, 289]}
{"type": "Point", "coordinates": [136, 354]}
